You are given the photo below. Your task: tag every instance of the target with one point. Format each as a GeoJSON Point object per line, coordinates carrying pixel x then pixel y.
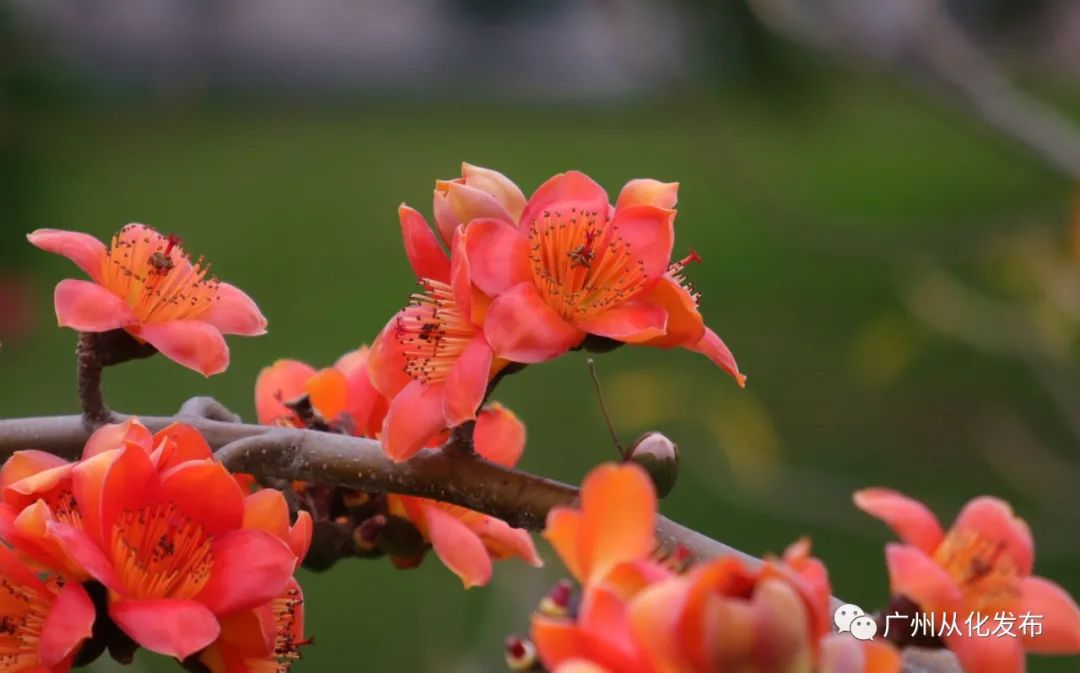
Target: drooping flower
{"type": "Point", "coordinates": [42, 621]}
{"type": "Point", "coordinates": [165, 529]}
{"type": "Point", "coordinates": [146, 284]}
{"type": "Point", "coordinates": [264, 640]}
{"type": "Point", "coordinates": [637, 615]}
{"type": "Point", "coordinates": [571, 265]}
{"type": "Point", "coordinates": [979, 568]}
{"type": "Point", "coordinates": [465, 540]}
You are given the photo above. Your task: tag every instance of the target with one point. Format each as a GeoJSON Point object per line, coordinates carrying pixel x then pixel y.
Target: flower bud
{"type": "Point", "coordinates": [557, 601]}
{"type": "Point", "coordinates": [660, 458]}
{"type": "Point", "coordinates": [520, 654]}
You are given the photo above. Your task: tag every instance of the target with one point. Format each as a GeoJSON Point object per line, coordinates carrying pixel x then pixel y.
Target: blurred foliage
{"type": "Point", "coordinates": [808, 216]}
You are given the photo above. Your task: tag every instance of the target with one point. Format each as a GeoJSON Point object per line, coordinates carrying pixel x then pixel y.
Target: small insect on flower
{"type": "Point", "coordinates": [146, 284]}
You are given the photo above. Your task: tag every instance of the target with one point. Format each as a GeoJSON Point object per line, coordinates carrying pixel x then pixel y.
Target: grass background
{"type": "Point", "coordinates": [810, 214]}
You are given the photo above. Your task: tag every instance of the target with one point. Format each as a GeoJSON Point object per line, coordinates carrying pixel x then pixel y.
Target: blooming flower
{"type": "Point", "coordinates": [145, 284]}
{"type": "Point", "coordinates": [165, 529]}
{"type": "Point", "coordinates": [464, 540]}
{"type": "Point", "coordinates": [637, 615]}
{"type": "Point", "coordinates": [571, 264]}
{"type": "Point", "coordinates": [980, 566]}
{"type": "Point", "coordinates": [42, 622]}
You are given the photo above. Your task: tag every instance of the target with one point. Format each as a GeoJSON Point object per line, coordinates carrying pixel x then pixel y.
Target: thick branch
{"type": "Point", "coordinates": [519, 498]}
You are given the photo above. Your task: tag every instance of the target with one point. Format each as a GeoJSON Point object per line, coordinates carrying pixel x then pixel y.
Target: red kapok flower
{"type": "Point", "coordinates": [264, 640]}
{"type": "Point", "coordinates": [981, 566]}
{"type": "Point", "coordinates": [466, 541]}
{"type": "Point", "coordinates": [145, 284]}
{"type": "Point", "coordinates": [572, 265]}
{"type": "Point", "coordinates": [42, 622]}
{"type": "Point", "coordinates": [168, 532]}
{"type": "Point", "coordinates": [432, 360]}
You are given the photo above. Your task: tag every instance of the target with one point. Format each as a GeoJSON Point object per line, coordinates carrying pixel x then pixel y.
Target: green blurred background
{"type": "Point", "coordinates": [895, 277]}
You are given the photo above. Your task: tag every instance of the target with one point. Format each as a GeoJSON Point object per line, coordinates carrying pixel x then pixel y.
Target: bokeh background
{"type": "Point", "coordinates": [882, 194]}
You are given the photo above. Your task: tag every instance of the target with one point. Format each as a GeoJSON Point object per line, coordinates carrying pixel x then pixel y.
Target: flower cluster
{"type": "Point", "coordinates": [145, 542]}
{"type": "Point", "coordinates": [642, 612]}
{"type": "Point", "coordinates": [342, 398]}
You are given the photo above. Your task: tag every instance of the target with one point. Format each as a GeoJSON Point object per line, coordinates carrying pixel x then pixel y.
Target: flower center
{"type": "Point", "coordinates": [433, 332]}
{"type": "Point", "coordinates": [581, 264]}
{"type": "Point", "coordinates": [988, 577]}
{"type": "Point", "coordinates": [22, 616]}
{"type": "Point", "coordinates": [156, 278]}
{"type": "Point", "coordinates": [159, 553]}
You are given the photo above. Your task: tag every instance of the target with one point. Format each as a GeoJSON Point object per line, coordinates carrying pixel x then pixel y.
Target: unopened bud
{"type": "Point", "coordinates": [520, 654]}
{"type": "Point", "coordinates": [366, 535]}
{"type": "Point", "coordinates": [660, 458]}
{"type": "Point", "coordinates": [557, 601]}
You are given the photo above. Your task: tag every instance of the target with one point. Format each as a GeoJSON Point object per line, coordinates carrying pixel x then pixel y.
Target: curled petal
{"type": "Point", "coordinates": [250, 568]}
{"type": "Point", "coordinates": [88, 307]}
{"type": "Point", "coordinates": [716, 350]}
{"type": "Point", "coordinates": [193, 343]}
{"type": "Point", "coordinates": [992, 519]}
{"type": "Point", "coordinates": [234, 312]}
{"type": "Point", "coordinates": [467, 382]}
{"type": "Point", "coordinates": [1058, 613]}
{"type": "Point", "coordinates": [280, 382]}
{"type": "Point", "coordinates": [629, 322]}
{"type": "Point", "coordinates": [87, 252]}
{"type": "Point", "coordinates": [458, 547]}
{"type": "Point", "coordinates": [521, 327]}
{"type": "Point", "coordinates": [415, 415]}
{"type": "Point", "coordinates": [23, 464]}
{"type": "Point", "coordinates": [912, 521]}
{"type": "Point", "coordinates": [572, 189]}
{"type": "Point", "coordinates": [299, 538]}
{"type": "Point", "coordinates": [684, 324]}
{"type": "Point", "coordinates": [426, 257]}
{"type": "Point", "coordinates": [498, 255]}
{"type": "Point", "coordinates": [646, 191]}
{"type": "Point", "coordinates": [498, 185]}
{"type": "Point", "coordinates": [175, 628]}
{"type": "Point", "coordinates": [918, 577]}
{"type": "Point", "coordinates": [70, 622]}
{"type": "Point", "coordinates": [499, 435]}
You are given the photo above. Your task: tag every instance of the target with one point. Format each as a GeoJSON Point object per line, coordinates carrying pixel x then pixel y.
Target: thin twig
{"type": "Point", "coordinates": [603, 408]}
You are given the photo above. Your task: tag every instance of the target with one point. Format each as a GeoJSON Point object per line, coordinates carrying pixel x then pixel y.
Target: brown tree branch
{"type": "Point", "coordinates": [521, 499]}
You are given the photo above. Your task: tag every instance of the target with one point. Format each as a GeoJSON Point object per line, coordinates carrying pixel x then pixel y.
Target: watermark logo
{"type": "Point", "coordinates": [850, 618]}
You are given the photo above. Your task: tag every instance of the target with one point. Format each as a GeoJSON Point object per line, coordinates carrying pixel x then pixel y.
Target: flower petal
{"type": "Point", "coordinates": [69, 623]}
{"type": "Point", "coordinates": [328, 391]}
{"type": "Point", "coordinates": [458, 547]}
{"type": "Point", "coordinates": [88, 307]}
{"type": "Point", "coordinates": [646, 191]}
{"type": "Point", "coordinates": [299, 538]}
{"type": "Point", "coordinates": [650, 234]}
{"type": "Point", "coordinates": [23, 464]}
{"type": "Point", "coordinates": [557, 641]}
{"type": "Point", "coordinates": [426, 257]}
{"type": "Point", "coordinates": [918, 577]}
{"type": "Point", "coordinates": [179, 443]}
{"type": "Point", "coordinates": [280, 382]}
{"type": "Point", "coordinates": [415, 415]}
{"type": "Point", "coordinates": [86, 251]}
{"type": "Point", "coordinates": [78, 546]}
{"type": "Point", "coordinates": [521, 327]}
{"type": "Point", "coordinates": [498, 185]}
{"type": "Point", "coordinates": [562, 531]}
{"type": "Point", "coordinates": [988, 655]}
{"type": "Point", "coordinates": [205, 493]}
{"type": "Point", "coordinates": [117, 435]}
{"type": "Point", "coordinates": [386, 361]}
{"type": "Point", "coordinates": [1057, 612]}
{"type": "Point", "coordinates": [572, 189]}
{"type": "Point", "coordinates": [684, 324]}
{"type": "Point", "coordinates": [716, 350]}
{"type": "Point", "coordinates": [250, 568]}
{"type": "Point", "coordinates": [629, 322]}
{"type": "Point", "coordinates": [993, 520]}
{"type": "Point", "coordinates": [195, 344]}
{"type": "Point", "coordinates": [467, 383]}
{"type": "Point", "coordinates": [498, 255]}
{"type": "Point", "coordinates": [266, 510]}
{"type": "Point", "coordinates": [234, 312]}
{"type": "Point", "coordinates": [499, 435]}
{"type": "Point", "coordinates": [910, 519]}
{"type": "Point", "coordinates": [619, 514]}
{"type": "Point", "coordinates": [130, 484]}
{"type": "Point", "coordinates": [175, 628]}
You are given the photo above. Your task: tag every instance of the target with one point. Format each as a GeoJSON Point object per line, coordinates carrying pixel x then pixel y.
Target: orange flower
{"type": "Point", "coordinates": [165, 529]}
{"type": "Point", "coordinates": [571, 264]}
{"type": "Point", "coordinates": [466, 541]}
{"type": "Point", "coordinates": [145, 284]}
{"type": "Point", "coordinates": [266, 639]}
{"type": "Point", "coordinates": [42, 622]}
{"type": "Point", "coordinates": [981, 567]}
{"type": "Point", "coordinates": [638, 616]}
